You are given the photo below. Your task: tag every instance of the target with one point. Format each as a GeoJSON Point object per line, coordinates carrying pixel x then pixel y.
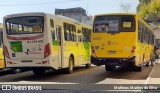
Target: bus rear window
{"type": "Point", "coordinates": [114, 23]}
{"type": "Point", "coordinates": [24, 25]}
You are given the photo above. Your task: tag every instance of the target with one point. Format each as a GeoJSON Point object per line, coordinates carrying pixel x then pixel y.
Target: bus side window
{"type": "Point", "coordinates": [65, 30]}
{"type": "Point", "coordinates": [75, 34]}
{"type": "Point", "coordinates": [68, 32]}
{"type": "Point", "coordinates": [1, 41]}
{"type": "Point", "coordinates": [59, 35]}
{"type": "Point", "coordinates": [82, 36]}
{"type": "Point", "coordinates": [85, 34]}
{"type": "Point", "coordinates": [89, 35]}
{"type": "Point", "coordinates": [52, 29]}
{"type": "Point", "coordinates": [143, 34]}
{"type": "Point", "coordinates": [79, 37]}
{"type": "Point", "coordinates": [139, 32]}
{"type": "Point", "coordinates": [72, 33]}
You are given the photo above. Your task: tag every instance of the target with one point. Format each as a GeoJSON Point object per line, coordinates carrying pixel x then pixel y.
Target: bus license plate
{"type": "Point", "coordinates": [111, 52]}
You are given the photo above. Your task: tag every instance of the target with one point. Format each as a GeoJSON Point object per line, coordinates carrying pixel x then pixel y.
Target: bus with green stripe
{"type": "Point", "coordinates": [41, 42]}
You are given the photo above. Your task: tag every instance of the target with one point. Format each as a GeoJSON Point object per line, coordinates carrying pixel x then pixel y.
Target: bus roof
{"type": "Point", "coordinates": [116, 14]}
{"type": "Point", "coordinates": [67, 18]}
{"type": "Point", "coordinates": [24, 14]}
{"type": "Point", "coordinates": [41, 13]}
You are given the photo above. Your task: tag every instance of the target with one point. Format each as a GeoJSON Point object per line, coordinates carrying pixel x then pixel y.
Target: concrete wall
{"type": "Point", "coordinates": [78, 14]}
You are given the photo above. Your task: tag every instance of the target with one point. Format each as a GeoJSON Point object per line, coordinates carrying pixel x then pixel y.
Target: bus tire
{"type": "Point", "coordinates": [147, 65]}
{"type": "Point", "coordinates": [15, 71]}
{"type": "Point", "coordinates": [88, 65]}
{"type": "Point", "coordinates": [109, 68]}
{"type": "Point", "coordinates": [139, 68]}
{"type": "Point", "coordinates": [38, 71]}
{"type": "Point", "coordinates": [69, 70]}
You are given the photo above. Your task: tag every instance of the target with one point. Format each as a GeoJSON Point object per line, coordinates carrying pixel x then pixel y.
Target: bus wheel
{"type": "Point", "coordinates": [147, 65]}
{"type": "Point", "coordinates": [88, 65]}
{"type": "Point", "coordinates": [15, 71]}
{"type": "Point", "coordinates": [69, 70]}
{"type": "Point", "coordinates": [109, 68]}
{"type": "Point", "coordinates": [139, 68]}
{"type": "Point", "coordinates": [38, 71]}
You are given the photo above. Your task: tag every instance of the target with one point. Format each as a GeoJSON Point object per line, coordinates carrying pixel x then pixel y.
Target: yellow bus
{"type": "Point", "coordinates": [2, 65]}
{"type": "Point", "coordinates": [121, 39]}
{"type": "Point", "coordinates": [41, 41]}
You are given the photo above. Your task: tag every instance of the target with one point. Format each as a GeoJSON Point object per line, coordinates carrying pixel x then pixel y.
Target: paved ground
{"type": "Point", "coordinates": [81, 75]}
{"type": "Point", "coordinates": [154, 77]}
{"type": "Point", "coordinates": [93, 80]}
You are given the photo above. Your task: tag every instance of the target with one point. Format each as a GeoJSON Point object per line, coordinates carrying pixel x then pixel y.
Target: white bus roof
{"type": "Point", "coordinates": [67, 18]}
{"type": "Point", "coordinates": [25, 14]}
{"type": "Point", "coordinates": [38, 13]}
{"type": "Point", "coordinates": [42, 14]}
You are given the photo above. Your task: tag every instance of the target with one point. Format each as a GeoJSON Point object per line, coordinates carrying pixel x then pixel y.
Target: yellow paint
{"type": "Point", "coordinates": [1, 59]}
{"type": "Point", "coordinates": [69, 48]}
{"type": "Point", "coordinates": [120, 44]}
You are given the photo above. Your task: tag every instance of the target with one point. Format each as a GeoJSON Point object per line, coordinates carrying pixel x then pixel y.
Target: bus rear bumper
{"type": "Point", "coordinates": [113, 61]}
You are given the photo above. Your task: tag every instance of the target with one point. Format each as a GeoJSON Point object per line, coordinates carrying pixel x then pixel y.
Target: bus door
{"type": "Point", "coordinates": [59, 39]}
{"type": "Point", "coordinates": [80, 47]}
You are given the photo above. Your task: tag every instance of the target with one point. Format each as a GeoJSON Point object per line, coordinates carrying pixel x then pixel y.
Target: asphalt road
{"type": "Point", "coordinates": [82, 75]}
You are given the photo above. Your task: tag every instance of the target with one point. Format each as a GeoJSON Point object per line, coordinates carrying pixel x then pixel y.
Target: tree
{"type": "Point", "coordinates": [149, 10]}
{"type": "Point", "coordinates": [125, 7]}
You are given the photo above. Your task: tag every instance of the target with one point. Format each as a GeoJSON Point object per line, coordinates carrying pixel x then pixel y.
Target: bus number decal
{"type": "Point", "coordinates": [35, 41]}
{"type": "Point", "coordinates": [96, 38]}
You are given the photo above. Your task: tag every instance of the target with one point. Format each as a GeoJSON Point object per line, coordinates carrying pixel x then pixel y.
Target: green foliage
{"type": "Point", "coordinates": [149, 10]}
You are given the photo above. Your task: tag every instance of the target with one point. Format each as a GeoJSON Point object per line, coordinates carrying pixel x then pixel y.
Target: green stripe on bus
{"type": "Point", "coordinates": [87, 48]}
{"type": "Point", "coordinates": [16, 46]}
{"type": "Point", "coordinates": [55, 43]}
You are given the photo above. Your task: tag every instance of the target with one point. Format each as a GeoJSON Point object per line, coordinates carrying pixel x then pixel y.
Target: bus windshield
{"type": "Point", "coordinates": [24, 25]}
{"type": "Point", "coordinates": [114, 23]}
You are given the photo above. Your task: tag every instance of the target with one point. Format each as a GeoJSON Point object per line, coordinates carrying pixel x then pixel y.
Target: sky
{"type": "Point", "coordinates": [93, 7]}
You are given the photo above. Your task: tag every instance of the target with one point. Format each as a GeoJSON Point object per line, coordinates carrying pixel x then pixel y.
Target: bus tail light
{"type": "Point", "coordinates": [9, 62]}
{"type": "Point", "coordinates": [44, 62]}
{"type": "Point", "coordinates": [132, 51]}
{"type": "Point", "coordinates": [133, 48]}
{"type": "Point", "coordinates": [47, 50]}
{"type": "Point", "coordinates": [6, 53]}
{"type": "Point", "coordinates": [93, 51]}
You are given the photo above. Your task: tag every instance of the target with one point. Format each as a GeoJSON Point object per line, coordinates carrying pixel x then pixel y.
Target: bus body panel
{"type": "Point", "coordinates": [55, 50]}
{"type": "Point", "coordinates": [27, 50]}
{"type": "Point", "coordinates": [125, 47]}
{"type": "Point", "coordinates": [114, 46]}
{"type": "Point", "coordinates": [2, 65]}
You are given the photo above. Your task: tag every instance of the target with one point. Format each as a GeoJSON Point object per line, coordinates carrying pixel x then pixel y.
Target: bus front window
{"type": "Point", "coordinates": [24, 25]}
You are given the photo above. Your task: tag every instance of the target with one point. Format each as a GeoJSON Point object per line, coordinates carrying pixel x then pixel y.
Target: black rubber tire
{"type": "Point", "coordinates": [140, 68]}
{"type": "Point", "coordinates": [109, 68]}
{"type": "Point", "coordinates": [15, 71]}
{"type": "Point", "coordinates": [39, 71]}
{"type": "Point", "coordinates": [147, 65]}
{"type": "Point", "coordinates": [69, 70]}
{"type": "Point", "coordinates": [88, 65]}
